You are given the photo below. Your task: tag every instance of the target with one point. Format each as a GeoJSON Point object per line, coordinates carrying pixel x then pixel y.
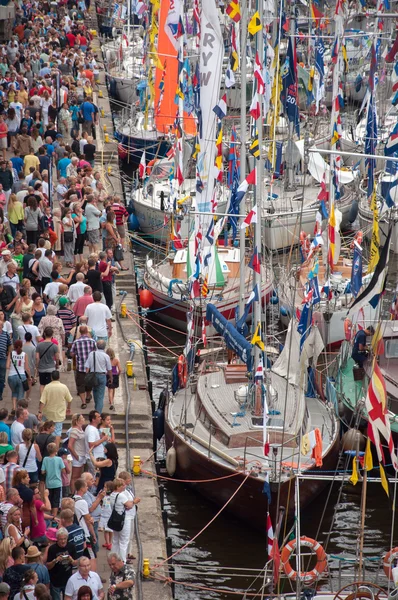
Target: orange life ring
{"type": "Point", "coordinates": [389, 557]}
{"type": "Point", "coordinates": [305, 576]}
{"type": "Point", "coordinates": [150, 165]}
{"type": "Point", "coordinates": [347, 329]}
{"type": "Point", "coordinates": [182, 370]}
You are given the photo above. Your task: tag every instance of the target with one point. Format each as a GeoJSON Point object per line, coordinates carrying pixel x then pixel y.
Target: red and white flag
{"type": "Point", "coordinates": [265, 434]}
{"type": "Point", "coordinates": [258, 74]}
{"type": "Point", "coordinates": [251, 218]}
{"type": "Point", "coordinates": [142, 166]}
{"type": "Point", "coordinates": [273, 549]}
{"type": "Point", "coordinates": [255, 107]}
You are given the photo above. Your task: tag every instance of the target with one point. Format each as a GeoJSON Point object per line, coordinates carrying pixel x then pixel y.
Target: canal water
{"type": "Point", "coordinates": [226, 560]}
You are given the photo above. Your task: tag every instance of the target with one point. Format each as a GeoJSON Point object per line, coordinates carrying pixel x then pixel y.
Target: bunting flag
{"type": "Point", "coordinates": [289, 94]}
{"type": "Point", "coordinates": [391, 146]}
{"type": "Point", "coordinates": [229, 77]}
{"type": "Point", "coordinates": [355, 476]}
{"type": "Point", "coordinates": [377, 343]}
{"type": "Point", "coordinates": [219, 157]}
{"type": "Point", "coordinates": [254, 148]}
{"type": "Point", "coordinates": [384, 480]}
{"type": "Point", "coordinates": [254, 297]}
{"type": "Point", "coordinates": [251, 217]}
{"type": "Point", "coordinates": [221, 108]}
{"type": "Point", "coordinates": [345, 58]}
{"type": "Point", "coordinates": [370, 144]}
{"type": "Point", "coordinates": [255, 107]}
{"type": "Point", "coordinates": [373, 67]}
{"type": "Point", "coordinates": [256, 339]}
{"type": "Point", "coordinates": [259, 374]}
{"type": "Point", "coordinates": [368, 459]}
{"type": "Point", "coordinates": [180, 162]}
{"type": "Point", "coordinates": [316, 14]}
{"type": "Point", "coordinates": [305, 323]}
{"type": "Point", "coordinates": [371, 294]}
{"type": "Point", "coordinates": [142, 166]}
{"type": "Point", "coordinates": [270, 534]}
{"type": "Point", "coordinates": [255, 261]}
{"type": "Point", "coordinates": [234, 49]}
{"type": "Point", "coordinates": [356, 270]}
{"type": "Point", "coordinates": [379, 422]}
{"type": "Point", "coordinates": [375, 240]}
{"type": "Point", "coordinates": [233, 160]}
{"type": "Point", "coordinates": [254, 25]}
{"type": "Point", "coordinates": [331, 236]}
{"type": "Point", "coordinates": [233, 11]}
{"type": "Point", "coordinates": [258, 74]}
{"type": "Point", "coordinates": [335, 50]}
{"type": "Point", "coordinates": [251, 179]}
{"type": "Point", "coordinates": [205, 287]}
{"type": "Point", "coordinates": [265, 421]}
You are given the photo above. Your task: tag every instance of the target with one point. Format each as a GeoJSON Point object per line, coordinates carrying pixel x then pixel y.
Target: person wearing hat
{"type": "Point", "coordinates": [360, 352]}
{"type": "Point", "coordinates": [5, 261]}
{"type": "Point", "coordinates": [4, 591]}
{"type": "Point", "coordinates": [55, 404]}
{"type": "Point", "coordinates": [34, 559]}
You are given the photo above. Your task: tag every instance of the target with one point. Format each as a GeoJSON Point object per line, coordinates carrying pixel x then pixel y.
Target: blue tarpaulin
{"type": "Point", "coordinates": [234, 340]}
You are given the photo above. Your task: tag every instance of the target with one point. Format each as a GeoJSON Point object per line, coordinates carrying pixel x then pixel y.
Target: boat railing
{"type": "Point", "coordinates": [274, 447]}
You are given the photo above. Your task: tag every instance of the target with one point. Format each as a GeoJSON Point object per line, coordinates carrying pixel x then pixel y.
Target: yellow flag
{"type": "Point", "coordinates": [256, 339]}
{"type": "Point", "coordinates": [354, 477]}
{"type": "Point", "coordinates": [254, 24]}
{"type": "Point", "coordinates": [375, 241]}
{"type": "Point", "coordinates": [377, 337]}
{"type": "Point", "coordinates": [384, 480]}
{"type": "Point", "coordinates": [368, 460]}
{"type": "Point", "coordinates": [345, 58]}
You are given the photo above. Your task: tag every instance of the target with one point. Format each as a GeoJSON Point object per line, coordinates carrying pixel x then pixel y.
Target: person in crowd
{"type": "Point", "coordinates": [84, 576]}
{"type": "Point", "coordinates": [77, 448]}
{"type": "Point", "coordinates": [122, 578]}
{"type": "Point", "coordinates": [55, 404]}
{"type": "Point", "coordinates": [61, 558]}
{"type": "Point", "coordinates": [52, 467]}
{"type": "Point", "coordinates": [29, 455]}
{"type": "Point", "coordinates": [98, 362]}
{"type": "Point", "coordinates": [108, 466]}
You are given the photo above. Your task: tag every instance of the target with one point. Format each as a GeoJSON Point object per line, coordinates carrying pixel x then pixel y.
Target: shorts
{"type": "Point", "coordinates": [3, 143]}
{"type": "Point", "coordinates": [121, 229]}
{"type": "Point", "coordinates": [93, 236]}
{"type": "Point", "coordinates": [58, 429]}
{"type": "Point", "coordinates": [33, 477]}
{"type": "Point", "coordinates": [44, 378]}
{"type": "Point", "coordinates": [80, 380]}
{"type": "Point", "coordinates": [79, 463]}
{"type": "Point", "coordinates": [55, 496]}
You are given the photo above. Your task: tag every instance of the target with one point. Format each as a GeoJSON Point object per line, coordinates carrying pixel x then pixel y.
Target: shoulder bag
{"type": "Point", "coordinates": [116, 520]}
{"type": "Point", "coordinates": [27, 456]}
{"type": "Point", "coordinates": [91, 380]}
{"type": "Point", "coordinates": [25, 382]}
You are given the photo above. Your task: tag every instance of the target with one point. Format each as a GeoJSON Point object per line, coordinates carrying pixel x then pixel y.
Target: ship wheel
{"type": "Point", "coordinates": [361, 589]}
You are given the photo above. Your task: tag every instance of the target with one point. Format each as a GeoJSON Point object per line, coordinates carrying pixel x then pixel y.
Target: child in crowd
{"type": "Point", "coordinates": [116, 369]}
{"type": "Point", "coordinates": [66, 473]}
{"type": "Point", "coordinates": [106, 511]}
{"type": "Point", "coordinates": [52, 467]}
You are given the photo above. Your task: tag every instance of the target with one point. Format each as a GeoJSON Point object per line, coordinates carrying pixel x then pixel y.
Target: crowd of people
{"type": "Point", "coordinates": [62, 237]}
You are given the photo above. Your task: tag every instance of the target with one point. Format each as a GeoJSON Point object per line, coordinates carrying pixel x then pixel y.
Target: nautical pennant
{"type": "Point", "coordinates": [255, 107]}
{"type": "Point", "coordinates": [254, 24]}
{"type": "Point", "coordinates": [221, 108]}
{"type": "Point", "coordinates": [258, 74]}
{"type": "Point", "coordinates": [255, 261]}
{"type": "Point", "coordinates": [256, 339]}
{"type": "Point", "coordinates": [254, 149]}
{"type": "Point", "coordinates": [233, 11]}
{"type": "Point", "coordinates": [392, 143]}
{"type": "Point", "coordinates": [142, 166]}
{"type": "Point", "coordinates": [356, 270]}
{"type": "Point", "coordinates": [234, 49]}
{"type": "Point", "coordinates": [250, 218]}
{"type": "Point", "coordinates": [289, 93]}
{"type": "Point", "coordinates": [375, 240]}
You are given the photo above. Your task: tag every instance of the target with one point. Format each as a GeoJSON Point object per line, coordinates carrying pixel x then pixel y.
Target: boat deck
{"type": "Point", "coordinates": [218, 398]}
{"type": "Point", "coordinates": [183, 419]}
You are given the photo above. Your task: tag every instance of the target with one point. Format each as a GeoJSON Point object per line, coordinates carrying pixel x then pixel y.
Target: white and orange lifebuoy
{"type": "Point", "coordinates": [150, 165]}
{"type": "Point", "coordinates": [305, 576]}
{"type": "Point", "coordinates": [388, 559]}
{"type": "Point", "coordinates": [182, 370]}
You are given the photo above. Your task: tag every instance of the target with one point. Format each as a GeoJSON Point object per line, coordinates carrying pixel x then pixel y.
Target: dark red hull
{"type": "Point", "coordinates": [250, 504]}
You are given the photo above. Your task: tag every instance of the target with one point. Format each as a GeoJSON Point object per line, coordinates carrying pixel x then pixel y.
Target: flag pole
{"type": "Point", "coordinates": [242, 232]}
{"type": "Point", "coordinates": [362, 528]}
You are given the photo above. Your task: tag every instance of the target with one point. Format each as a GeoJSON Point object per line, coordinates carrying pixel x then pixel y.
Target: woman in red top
{"type": "Point", "coordinates": [3, 136]}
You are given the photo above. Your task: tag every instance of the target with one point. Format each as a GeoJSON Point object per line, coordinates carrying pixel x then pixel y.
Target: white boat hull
{"type": "Point", "coordinates": [125, 89]}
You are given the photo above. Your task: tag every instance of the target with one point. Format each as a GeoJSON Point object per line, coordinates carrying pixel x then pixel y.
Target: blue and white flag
{"type": "Point", "coordinates": [392, 143]}
{"type": "Point", "coordinates": [356, 271]}
{"type": "Point", "coordinates": [221, 108]}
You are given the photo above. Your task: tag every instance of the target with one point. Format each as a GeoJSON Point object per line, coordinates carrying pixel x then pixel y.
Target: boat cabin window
{"type": "Point", "coordinates": [391, 349]}
{"type": "Point", "coordinates": [274, 422]}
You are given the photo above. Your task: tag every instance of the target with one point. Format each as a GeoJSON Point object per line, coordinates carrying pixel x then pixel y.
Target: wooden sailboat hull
{"type": "Point", "coordinates": [174, 312]}
{"type": "Point", "coordinates": [250, 504]}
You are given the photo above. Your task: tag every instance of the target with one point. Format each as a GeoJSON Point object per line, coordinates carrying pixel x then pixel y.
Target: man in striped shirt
{"type": "Point", "coordinates": [81, 349]}
{"type": "Point", "coordinates": [10, 467]}
{"type": "Point", "coordinates": [66, 315]}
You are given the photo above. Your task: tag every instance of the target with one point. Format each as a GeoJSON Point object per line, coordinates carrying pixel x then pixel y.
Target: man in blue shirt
{"type": "Point", "coordinates": [49, 147]}
{"type": "Point", "coordinates": [359, 351]}
{"type": "Point", "coordinates": [17, 161]}
{"type": "Point", "coordinates": [87, 111]}
{"type": "Point", "coordinates": [62, 166]}
{"type": "Point", "coordinates": [3, 425]}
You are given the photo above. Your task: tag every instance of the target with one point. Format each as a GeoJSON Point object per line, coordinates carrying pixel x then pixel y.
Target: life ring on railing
{"type": "Point", "coordinates": [305, 576]}
{"type": "Point", "coordinates": [150, 165]}
{"type": "Point", "coordinates": [182, 370]}
{"type": "Point", "coordinates": [387, 560]}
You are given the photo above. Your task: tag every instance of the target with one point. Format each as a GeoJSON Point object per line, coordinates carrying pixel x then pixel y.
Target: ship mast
{"type": "Point", "coordinates": [242, 232]}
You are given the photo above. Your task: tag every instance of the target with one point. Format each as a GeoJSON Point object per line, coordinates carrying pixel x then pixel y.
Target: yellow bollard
{"type": "Point", "coordinates": [102, 113]}
{"type": "Point", "coordinates": [109, 169]}
{"type": "Point", "coordinates": [123, 310]}
{"type": "Point", "coordinates": [106, 139]}
{"type": "Point", "coordinates": [136, 465]}
{"type": "Point", "coordinates": [129, 368]}
{"type": "Point", "coordinates": [146, 568]}
{"type": "Point", "coordinates": [100, 94]}
{"type": "Point", "coordinates": [104, 128]}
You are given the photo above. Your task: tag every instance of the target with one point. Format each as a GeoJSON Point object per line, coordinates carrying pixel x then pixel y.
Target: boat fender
{"type": "Point", "coordinates": [390, 557]}
{"type": "Point", "coordinates": [182, 370]}
{"type": "Point", "coordinates": [284, 311]}
{"type": "Point", "coordinates": [171, 461]}
{"type": "Point", "coordinates": [274, 298]}
{"type": "Point", "coordinates": [352, 215]}
{"type": "Point", "coordinates": [159, 423]}
{"type": "Point", "coordinates": [305, 576]}
{"type": "Point", "coordinates": [133, 223]}
{"type": "Point", "coordinates": [163, 397]}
